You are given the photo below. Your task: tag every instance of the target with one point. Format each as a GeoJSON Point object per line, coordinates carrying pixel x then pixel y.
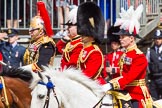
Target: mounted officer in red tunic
{"type": "Point", "coordinates": [90, 27]}
{"type": "Point", "coordinates": [1, 59]}
{"type": "Point", "coordinates": [133, 63]}
{"type": "Point", "coordinates": [71, 45]}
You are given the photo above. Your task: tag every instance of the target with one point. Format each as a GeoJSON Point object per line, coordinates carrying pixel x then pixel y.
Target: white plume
{"type": "Point", "coordinates": [130, 19]}
{"type": "Point", "coordinates": [72, 18]}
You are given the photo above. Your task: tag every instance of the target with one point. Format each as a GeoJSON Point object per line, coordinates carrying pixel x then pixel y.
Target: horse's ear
{"type": "Point", "coordinates": [40, 75]}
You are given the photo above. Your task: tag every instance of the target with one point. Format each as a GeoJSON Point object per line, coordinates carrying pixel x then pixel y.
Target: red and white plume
{"type": "Point", "coordinates": [129, 19]}
{"type": "Point", "coordinates": [44, 14]}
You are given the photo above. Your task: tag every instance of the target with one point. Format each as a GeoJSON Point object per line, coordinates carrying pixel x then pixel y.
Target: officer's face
{"type": "Point", "coordinates": [72, 31]}
{"type": "Point", "coordinates": [35, 33]}
{"type": "Point", "coordinates": [12, 39]}
{"type": "Point", "coordinates": [158, 41]}
{"type": "Point", "coordinates": [115, 45]}
{"type": "Point", "coordinates": [126, 41]}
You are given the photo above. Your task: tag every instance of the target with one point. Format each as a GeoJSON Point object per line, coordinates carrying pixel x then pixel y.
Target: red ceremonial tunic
{"type": "Point", "coordinates": [1, 59]}
{"type": "Point", "coordinates": [133, 70]}
{"type": "Point", "coordinates": [70, 52]}
{"type": "Point", "coordinates": [113, 59]}
{"type": "Point", "coordinates": [91, 63]}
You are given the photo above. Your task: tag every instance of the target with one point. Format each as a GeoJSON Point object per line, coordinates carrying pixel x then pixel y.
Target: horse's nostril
{"type": "Point", "coordinates": [41, 96]}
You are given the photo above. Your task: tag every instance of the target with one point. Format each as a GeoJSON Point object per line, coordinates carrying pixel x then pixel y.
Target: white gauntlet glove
{"type": "Point", "coordinates": [106, 87]}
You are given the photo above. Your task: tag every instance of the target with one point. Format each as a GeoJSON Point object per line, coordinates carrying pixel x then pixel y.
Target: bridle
{"type": "Point", "coordinates": [49, 86]}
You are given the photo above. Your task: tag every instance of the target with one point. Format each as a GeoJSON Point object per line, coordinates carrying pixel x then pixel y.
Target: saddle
{"type": "Point", "coordinates": [121, 99]}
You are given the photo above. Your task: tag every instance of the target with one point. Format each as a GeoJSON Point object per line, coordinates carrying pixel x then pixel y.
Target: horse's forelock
{"type": "Point", "coordinates": [36, 78]}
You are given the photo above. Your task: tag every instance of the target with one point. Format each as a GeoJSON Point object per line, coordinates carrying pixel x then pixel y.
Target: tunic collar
{"type": "Point", "coordinates": [131, 48]}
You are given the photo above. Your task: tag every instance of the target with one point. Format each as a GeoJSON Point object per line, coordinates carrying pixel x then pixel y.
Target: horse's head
{"type": "Point", "coordinates": [44, 93]}
{"type": "Point", "coordinates": [73, 89]}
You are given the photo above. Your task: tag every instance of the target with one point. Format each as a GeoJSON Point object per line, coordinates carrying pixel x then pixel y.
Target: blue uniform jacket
{"type": "Point", "coordinates": [12, 56]}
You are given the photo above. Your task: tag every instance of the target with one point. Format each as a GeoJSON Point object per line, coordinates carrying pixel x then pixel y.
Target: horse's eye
{"type": "Point", "coordinates": [41, 96]}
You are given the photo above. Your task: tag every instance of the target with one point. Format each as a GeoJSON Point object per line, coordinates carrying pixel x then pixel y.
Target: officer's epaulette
{"type": "Point", "coordinates": [138, 51]}
{"type": "Point", "coordinates": [134, 47]}
{"type": "Point", "coordinates": [47, 39]}
{"type": "Point", "coordinates": [70, 47]}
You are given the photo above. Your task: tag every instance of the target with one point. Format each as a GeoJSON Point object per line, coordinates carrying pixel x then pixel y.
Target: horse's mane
{"type": "Point", "coordinates": [77, 76]}
{"type": "Point", "coordinates": [17, 73]}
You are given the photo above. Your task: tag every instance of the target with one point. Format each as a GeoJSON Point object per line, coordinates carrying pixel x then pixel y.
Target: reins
{"type": "Point", "coordinates": [99, 101]}
{"type": "Point", "coordinates": [49, 86]}
{"type": "Point", "coordinates": [99, 104]}
{"type": "Point", "coordinates": [5, 98]}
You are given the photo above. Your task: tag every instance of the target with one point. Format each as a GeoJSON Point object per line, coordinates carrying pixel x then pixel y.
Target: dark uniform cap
{"type": "Point", "coordinates": [158, 34]}
{"type": "Point", "coordinates": [123, 32]}
{"type": "Point", "coordinates": [12, 32]}
{"type": "Point", "coordinates": [112, 37]}
{"type": "Point", "coordinates": [68, 23]}
{"type": "Point", "coordinates": [90, 21]}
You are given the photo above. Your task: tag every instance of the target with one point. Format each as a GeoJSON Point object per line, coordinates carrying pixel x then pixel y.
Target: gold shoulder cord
{"type": "Point", "coordinates": [27, 54]}
{"type": "Point", "coordinates": [121, 63]}
{"type": "Point", "coordinates": [102, 65]}
{"type": "Point", "coordinates": [53, 57]}
{"type": "Point", "coordinates": [26, 57]}
{"type": "Point", "coordinates": [68, 49]}
{"type": "Point", "coordinates": [80, 60]}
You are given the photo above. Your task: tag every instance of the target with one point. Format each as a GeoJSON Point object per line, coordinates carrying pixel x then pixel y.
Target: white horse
{"type": "Point", "coordinates": [71, 89]}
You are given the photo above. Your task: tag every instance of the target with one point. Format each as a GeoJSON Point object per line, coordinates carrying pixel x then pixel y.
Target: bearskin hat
{"type": "Point", "coordinates": [90, 21]}
{"type": "Point", "coordinates": [112, 37]}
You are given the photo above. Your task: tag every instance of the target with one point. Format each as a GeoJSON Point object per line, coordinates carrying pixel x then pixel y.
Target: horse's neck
{"type": "Point", "coordinates": [14, 84]}
{"type": "Point", "coordinates": [72, 90]}
{"type": "Point", "coordinates": [63, 101]}
{"type": "Point", "coordinates": [79, 77]}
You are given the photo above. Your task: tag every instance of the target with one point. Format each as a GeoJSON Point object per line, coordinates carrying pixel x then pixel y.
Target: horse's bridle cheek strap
{"type": "Point", "coordinates": [48, 98]}
{"type": "Point", "coordinates": [56, 97]}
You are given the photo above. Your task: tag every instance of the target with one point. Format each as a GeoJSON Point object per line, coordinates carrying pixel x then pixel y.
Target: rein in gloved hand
{"type": "Point", "coordinates": [4, 64]}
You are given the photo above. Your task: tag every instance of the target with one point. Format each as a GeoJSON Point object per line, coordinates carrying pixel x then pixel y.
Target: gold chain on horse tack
{"type": "Point", "coordinates": [5, 94]}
